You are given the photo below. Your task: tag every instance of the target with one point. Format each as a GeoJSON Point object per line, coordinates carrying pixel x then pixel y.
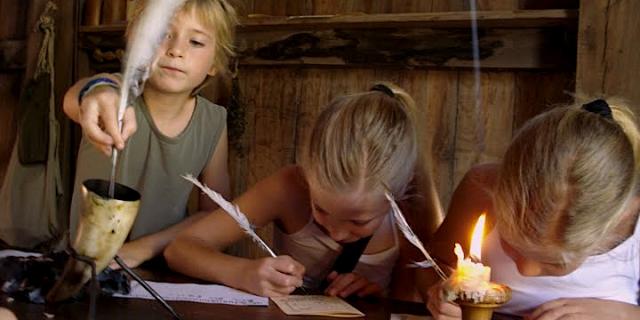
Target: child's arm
{"type": "Point", "coordinates": [197, 251]}
{"type": "Point", "coordinates": [216, 176]}
{"type": "Point", "coordinates": [585, 309]}
{"type": "Point", "coordinates": [98, 112]}
{"type": "Point", "coordinates": [469, 200]}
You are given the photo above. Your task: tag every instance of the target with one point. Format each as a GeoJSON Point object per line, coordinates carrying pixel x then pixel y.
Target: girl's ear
{"type": "Point", "coordinates": [213, 71]}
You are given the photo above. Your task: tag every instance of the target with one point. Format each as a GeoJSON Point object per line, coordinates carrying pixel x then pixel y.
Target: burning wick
{"type": "Point", "coordinates": [471, 279]}
{"type": "Point", "coordinates": [469, 285]}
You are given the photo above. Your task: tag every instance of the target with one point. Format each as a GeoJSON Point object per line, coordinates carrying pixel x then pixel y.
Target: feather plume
{"type": "Point", "coordinates": [408, 233]}
{"type": "Point", "coordinates": [140, 57]}
{"type": "Point", "coordinates": [145, 38]}
{"type": "Point", "coordinates": [233, 211]}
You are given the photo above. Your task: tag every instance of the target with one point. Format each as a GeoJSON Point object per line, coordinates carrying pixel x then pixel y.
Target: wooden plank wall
{"type": "Point", "coordinates": [12, 33]}
{"type": "Point", "coordinates": [282, 102]}
{"type": "Point", "coordinates": [608, 50]}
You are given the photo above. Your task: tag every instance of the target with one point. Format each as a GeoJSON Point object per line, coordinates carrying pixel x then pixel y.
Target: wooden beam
{"type": "Point", "coordinates": [454, 19]}
{"type": "Point", "coordinates": [528, 48]}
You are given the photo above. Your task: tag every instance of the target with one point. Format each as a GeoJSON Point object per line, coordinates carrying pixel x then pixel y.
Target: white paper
{"type": "Point", "coordinates": [316, 305]}
{"type": "Point", "coordinates": [16, 253]}
{"type": "Point", "coordinates": [204, 293]}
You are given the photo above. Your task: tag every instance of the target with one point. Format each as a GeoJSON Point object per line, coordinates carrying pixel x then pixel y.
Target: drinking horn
{"type": "Point", "coordinates": [104, 225]}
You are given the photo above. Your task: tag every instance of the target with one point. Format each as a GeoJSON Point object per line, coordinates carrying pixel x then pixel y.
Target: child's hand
{"type": "Point", "coordinates": [440, 308]}
{"type": "Point", "coordinates": [344, 285]}
{"type": "Point", "coordinates": [585, 309]}
{"type": "Point", "coordinates": [98, 118]}
{"type": "Point", "coordinates": [273, 277]}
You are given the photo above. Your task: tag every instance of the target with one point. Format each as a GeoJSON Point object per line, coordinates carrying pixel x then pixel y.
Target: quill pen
{"type": "Point", "coordinates": [408, 233]}
{"type": "Point", "coordinates": [145, 37]}
{"type": "Point", "coordinates": [233, 211]}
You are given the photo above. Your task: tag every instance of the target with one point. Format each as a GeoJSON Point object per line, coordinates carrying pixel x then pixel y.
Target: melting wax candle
{"type": "Point", "coordinates": [470, 280]}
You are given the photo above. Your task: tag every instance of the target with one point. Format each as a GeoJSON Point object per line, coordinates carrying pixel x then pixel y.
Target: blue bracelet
{"type": "Point", "coordinates": [94, 83]}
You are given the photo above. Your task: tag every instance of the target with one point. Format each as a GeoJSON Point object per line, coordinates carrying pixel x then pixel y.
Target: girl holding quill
{"type": "Point", "coordinates": [361, 146]}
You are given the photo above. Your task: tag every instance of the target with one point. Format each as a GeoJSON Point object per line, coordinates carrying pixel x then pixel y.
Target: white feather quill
{"type": "Point", "coordinates": [140, 56]}
{"type": "Point", "coordinates": [145, 38]}
{"type": "Point", "coordinates": [408, 233]}
{"type": "Point", "coordinates": [233, 211]}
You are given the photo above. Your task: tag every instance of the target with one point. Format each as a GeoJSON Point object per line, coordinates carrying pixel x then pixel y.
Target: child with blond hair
{"type": "Point", "coordinates": [169, 129]}
{"type": "Point", "coordinates": [361, 145]}
{"type": "Point", "coordinates": [564, 204]}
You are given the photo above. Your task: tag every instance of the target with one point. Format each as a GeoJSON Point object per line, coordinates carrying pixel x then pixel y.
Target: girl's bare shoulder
{"type": "Point", "coordinates": [287, 190]}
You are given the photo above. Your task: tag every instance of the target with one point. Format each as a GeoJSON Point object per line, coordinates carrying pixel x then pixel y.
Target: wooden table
{"type": "Point", "coordinates": [121, 308]}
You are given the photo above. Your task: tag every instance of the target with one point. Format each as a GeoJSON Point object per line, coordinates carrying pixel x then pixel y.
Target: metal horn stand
{"type": "Point", "coordinates": [93, 291]}
{"type": "Point", "coordinates": [147, 287]}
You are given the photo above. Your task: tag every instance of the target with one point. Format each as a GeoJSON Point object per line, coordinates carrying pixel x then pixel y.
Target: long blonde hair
{"type": "Point", "coordinates": [566, 180]}
{"type": "Point", "coordinates": [364, 140]}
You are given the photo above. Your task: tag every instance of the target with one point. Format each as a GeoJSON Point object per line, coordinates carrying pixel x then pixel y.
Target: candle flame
{"type": "Point", "coordinates": [475, 251]}
{"type": "Point", "coordinates": [459, 253]}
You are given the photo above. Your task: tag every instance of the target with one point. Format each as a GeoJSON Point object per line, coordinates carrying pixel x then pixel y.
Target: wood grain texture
{"type": "Point", "coordinates": [511, 48]}
{"type": "Point", "coordinates": [608, 50]}
{"type": "Point", "coordinates": [622, 55]}
{"type": "Point", "coordinates": [330, 7]}
{"type": "Point", "coordinates": [449, 5]}
{"type": "Point", "coordinates": [483, 129]}
{"type": "Point", "coordinates": [497, 4]}
{"type": "Point", "coordinates": [592, 43]}
{"type": "Point", "coordinates": [440, 99]}
{"type": "Point", "coordinates": [539, 91]}
{"type": "Point", "coordinates": [12, 24]}
{"type": "Point", "coordinates": [270, 136]}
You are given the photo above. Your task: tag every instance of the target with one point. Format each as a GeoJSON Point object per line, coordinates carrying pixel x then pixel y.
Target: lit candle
{"type": "Point", "coordinates": [469, 284]}
{"type": "Point", "coordinates": [470, 280]}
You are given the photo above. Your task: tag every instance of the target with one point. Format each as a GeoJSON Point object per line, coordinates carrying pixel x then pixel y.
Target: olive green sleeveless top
{"type": "Point", "coordinates": [153, 164]}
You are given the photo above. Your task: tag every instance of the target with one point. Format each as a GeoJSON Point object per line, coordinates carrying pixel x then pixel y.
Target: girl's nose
{"type": "Point", "coordinates": [174, 49]}
{"type": "Point", "coordinates": [529, 268]}
{"type": "Point", "coordinates": [338, 235]}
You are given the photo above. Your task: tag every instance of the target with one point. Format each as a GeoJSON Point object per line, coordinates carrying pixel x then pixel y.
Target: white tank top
{"type": "Point", "coordinates": [317, 252]}
{"type": "Point", "coordinates": [612, 276]}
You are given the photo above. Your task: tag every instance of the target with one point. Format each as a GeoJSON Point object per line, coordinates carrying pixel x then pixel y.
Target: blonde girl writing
{"type": "Point", "coordinates": [359, 144]}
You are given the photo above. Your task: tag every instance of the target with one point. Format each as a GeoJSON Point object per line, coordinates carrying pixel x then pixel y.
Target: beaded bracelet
{"type": "Point", "coordinates": [94, 83]}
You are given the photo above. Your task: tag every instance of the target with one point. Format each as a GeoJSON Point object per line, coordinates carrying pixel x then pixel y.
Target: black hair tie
{"type": "Point", "coordinates": [600, 107]}
{"type": "Point", "coordinates": [384, 89]}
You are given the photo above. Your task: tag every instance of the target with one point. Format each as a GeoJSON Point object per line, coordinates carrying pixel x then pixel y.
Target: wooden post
{"type": "Point", "coordinates": [608, 51]}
